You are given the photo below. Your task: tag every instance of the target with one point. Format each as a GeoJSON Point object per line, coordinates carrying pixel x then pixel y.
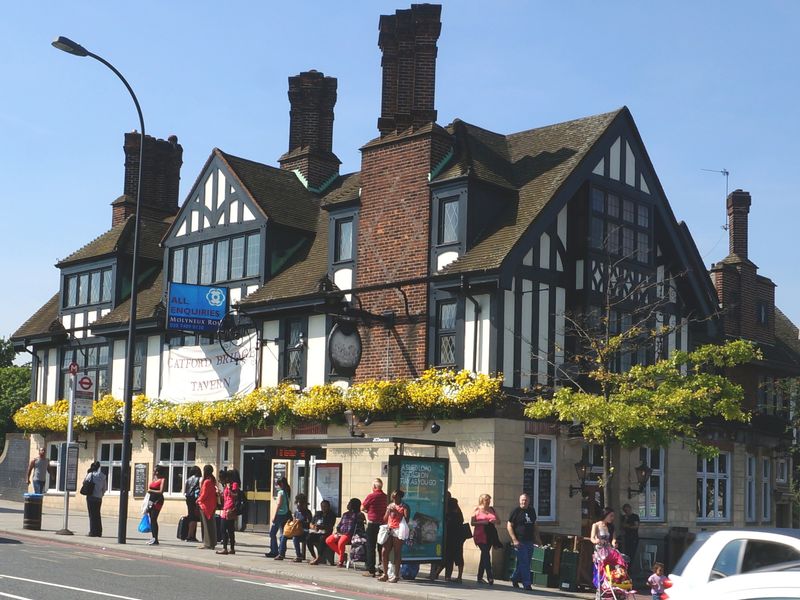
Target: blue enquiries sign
{"type": "Point", "coordinates": [196, 307]}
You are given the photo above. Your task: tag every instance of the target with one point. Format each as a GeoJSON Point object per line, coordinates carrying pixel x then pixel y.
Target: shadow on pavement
{"type": "Point", "coordinates": [8, 541]}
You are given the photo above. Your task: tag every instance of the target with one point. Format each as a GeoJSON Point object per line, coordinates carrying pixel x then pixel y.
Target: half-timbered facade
{"type": "Point", "coordinates": [453, 246]}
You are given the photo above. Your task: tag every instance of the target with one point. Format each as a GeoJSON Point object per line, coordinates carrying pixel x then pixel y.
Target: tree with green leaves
{"type": "Point", "coordinates": [617, 384]}
{"type": "Point", "coordinates": [15, 388]}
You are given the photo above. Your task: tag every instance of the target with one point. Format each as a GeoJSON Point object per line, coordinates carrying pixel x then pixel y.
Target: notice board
{"type": "Point", "coordinates": [140, 472]}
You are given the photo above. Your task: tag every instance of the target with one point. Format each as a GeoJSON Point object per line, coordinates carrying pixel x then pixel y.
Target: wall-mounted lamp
{"type": "Point", "coordinates": [79, 441]}
{"type": "Point", "coordinates": [352, 423]}
{"type": "Point", "coordinates": [643, 472]}
{"type": "Point", "coordinates": [582, 468]}
{"type": "Point", "coordinates": [435, 427]}
{"type": "Point", "coordinates": [202, 440]}
{"type": "Point", "coordinates": [367, 420]}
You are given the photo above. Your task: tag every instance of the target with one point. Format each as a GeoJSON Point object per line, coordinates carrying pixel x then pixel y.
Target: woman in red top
{"type": "Point", "coordinates": [395, 513]}
{"type": "Point", "coordinates": [207, 503]}
{"type": "Point", "coordinates": [485, 535]}
{"type": "Point", "coordinates": [229, 494]}
{"type": "Point", "coordinates": [156, 491]}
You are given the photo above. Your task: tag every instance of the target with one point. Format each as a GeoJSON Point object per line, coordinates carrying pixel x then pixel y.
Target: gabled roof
{"type": "Point", "coordinates": [786, 334]}
{"type": "Point", "coordinates": [534, 164]}
{"type": "Point", "coordinates": [120, 238]}
{"type": "Point", "coordinates": [44, 322]}
{"type": "Point", "coordinates": [347, 188]}
{"type": "Point", "coordinates": [279, 193]}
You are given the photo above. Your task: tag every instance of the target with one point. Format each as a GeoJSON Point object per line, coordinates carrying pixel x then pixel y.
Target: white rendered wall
{"type": "Point", "coordinates": [509, 337]}
{"type": "Point", "coordinates": [53, 375]}
{"type": "Point", "coordinates": [270, 352]}
{"type": "Point", "coordinates": [152, 368]}
{"type": "Point", "coordinates": [484, 325]}
{"type": "Point", "coordinates": [315, 359]}
{"type": "Point", "coordinates": [118, 370]}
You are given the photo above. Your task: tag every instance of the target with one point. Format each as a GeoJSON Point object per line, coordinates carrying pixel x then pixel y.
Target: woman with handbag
{"type": "Point", "coordinates": [94, 486]}
{"type": "Point", "coordinates": [207, 503]}
{"type": "Point", "coordinates": [302, 516]}
{"type": "Point", "coordinates": [396, 517]}
{"type": "Point", "coordinates": [345, 530]}
{"type": "Point", "coordinates": [485, 521]}
{"type": "Point", "coordinates": [230, 491]}
{"type": "Point", "coordinates": [455, 536]}
{"type": "Point", "coordinates": [156, 491]}
{"type": "Point", "coordinates": [280, 515]}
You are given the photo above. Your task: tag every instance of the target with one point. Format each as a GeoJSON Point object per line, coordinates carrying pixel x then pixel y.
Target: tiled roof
{"type": "Point", "coordinates": [346, 188]}
{"type": "Point", "coordinates": [278, 192]}
{"type": "Point", "coordinates": [43, 322]}
{"type": "Point", "coordinates": [150, 294]}
{"type": "Point", "coordinates": [303, 277]}
{"type": "Point", "coordinates": [535, 163]}
{"type": "Point", "coordinates": [787, 333]}
{"type": "Point", "coordinates": [121, 236]}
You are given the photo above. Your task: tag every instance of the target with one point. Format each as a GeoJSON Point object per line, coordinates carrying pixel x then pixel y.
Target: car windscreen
{"type": "Point", "coordinates": [687, 555]}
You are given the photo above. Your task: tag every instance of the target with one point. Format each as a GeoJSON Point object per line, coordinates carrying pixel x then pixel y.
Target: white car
{"type": "Point", "coordinates": [761, 585]}
{"type": "Point", "coordinates": [716, 562]}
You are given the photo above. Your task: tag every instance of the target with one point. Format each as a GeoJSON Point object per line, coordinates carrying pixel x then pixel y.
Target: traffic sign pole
{"type": "Point", "coordinates": [73, 382]}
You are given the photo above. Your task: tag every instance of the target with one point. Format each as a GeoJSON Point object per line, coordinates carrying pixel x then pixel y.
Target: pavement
{"type": "Point", "coordinates": [250, 559]}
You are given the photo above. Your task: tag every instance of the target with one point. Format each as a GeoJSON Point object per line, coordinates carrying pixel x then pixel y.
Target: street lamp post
{"type": "Point", "coordinates": [70, 47]}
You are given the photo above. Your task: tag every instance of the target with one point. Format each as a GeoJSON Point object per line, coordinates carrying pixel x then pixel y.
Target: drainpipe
{"type": "Point", "coordinates": [477, 307]}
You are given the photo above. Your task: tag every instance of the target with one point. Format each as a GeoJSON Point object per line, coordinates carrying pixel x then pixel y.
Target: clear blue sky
{"type": "Point", "coordinates": [711, 85]}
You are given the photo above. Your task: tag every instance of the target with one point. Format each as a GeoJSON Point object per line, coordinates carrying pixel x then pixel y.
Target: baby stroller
{"type": "Point", "coordinates": [611, 578]}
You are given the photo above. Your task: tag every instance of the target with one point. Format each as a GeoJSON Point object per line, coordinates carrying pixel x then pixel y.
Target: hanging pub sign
{"type": "Point", "coordinates": [344, 348]}
{"type": "Point", "coordinates": [196, 307]}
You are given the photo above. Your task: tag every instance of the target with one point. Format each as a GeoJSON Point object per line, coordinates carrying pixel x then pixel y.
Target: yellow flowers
{"type": "Point", "coordinates": [436, 393]}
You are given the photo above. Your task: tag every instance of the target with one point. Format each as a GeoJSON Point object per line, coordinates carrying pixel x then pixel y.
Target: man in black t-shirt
{"type": "Point", "coordinates": [524, 534]}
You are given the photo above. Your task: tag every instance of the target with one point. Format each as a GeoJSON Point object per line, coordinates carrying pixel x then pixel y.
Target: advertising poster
{"type": "Point", "coordinates": [424, 480]}
{"type": "Point", "coordinates": [328, 484]}
{"type": "Point", "coordinates": [196, 307]}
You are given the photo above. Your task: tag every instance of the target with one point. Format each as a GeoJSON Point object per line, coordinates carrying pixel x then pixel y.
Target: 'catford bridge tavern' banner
{"type": "Point", "coordinates": [207, 373]}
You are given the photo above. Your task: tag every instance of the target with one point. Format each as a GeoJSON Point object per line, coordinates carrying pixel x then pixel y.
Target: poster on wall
{"type": "Point", "coordinates": [207, 373]}
{"type": "Point", "coordinates": [140, 479]}
{"type": "Point", "coordinates": [278, 471]}
{"type": "Point", "coordinates": [328, 485]}
{"type": "Point", "coordinates": [424, 480]}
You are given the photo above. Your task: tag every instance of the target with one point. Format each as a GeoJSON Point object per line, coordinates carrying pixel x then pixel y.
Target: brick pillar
{"type": "Point", "coordinates": [161, 177]}
{"type": "Point", "coordinates": [738, 205]}
{"type": "Point", "coordinates": [407, 40]}
{"type": "Point", "coordinates": [312, 97]}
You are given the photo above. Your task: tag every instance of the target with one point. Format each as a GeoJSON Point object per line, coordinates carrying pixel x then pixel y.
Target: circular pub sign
{"type": "Point", "coordinates": [344, 348]}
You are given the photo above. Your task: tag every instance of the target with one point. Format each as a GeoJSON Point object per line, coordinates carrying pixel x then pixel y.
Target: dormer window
{"type": "Point", "coordinates": [448, 221]}
{"type": "Point", "coordinates": [762, 313]}
{"type": "Point", "coordinates": [342, 239]}
{"type": "Point", "coordinates": [85, 289]}
{"type": "Point", "coordinates": [343, 244]}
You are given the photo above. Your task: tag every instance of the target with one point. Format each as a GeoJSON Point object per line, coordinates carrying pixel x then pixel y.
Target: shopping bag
{"type": "Point", "coordinates": [384, 533]}
{"type": "Point", "coordinates": [145, 503]}
{"type": "Point", "coordinates": [403, 531]}
{"type": "Point", "coordinates": [144, 524]}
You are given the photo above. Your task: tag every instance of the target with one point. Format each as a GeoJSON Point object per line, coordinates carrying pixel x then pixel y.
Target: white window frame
{"type": "Point", "coordinates": [766, 489]}
{"type": "Point", "coordinates": [107, 466]}
{"type": "Point", "coordinates": [172, 464]}
{"type": "Point", "coordinates": [750, 489]}
{"type": "Point", "coordinates": [645, 505]}
{"type": "Point", "coordinates": [537, 467]}
{"type": "Point", "coordinates": [717, 476]}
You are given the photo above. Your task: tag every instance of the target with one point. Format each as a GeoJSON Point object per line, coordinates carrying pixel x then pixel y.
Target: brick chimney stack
{"type": "Point", "coordinates": [738, 204]}
{"type": "Point", "coordinates": [161, 177]}
{"type": "Point", "coordinates": [312, 97]}
{"type": "Point", "coordinates": [408, 42]}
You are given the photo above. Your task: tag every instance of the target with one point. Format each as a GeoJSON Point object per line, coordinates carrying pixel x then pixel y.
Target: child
{"type": "Point", "coordinates": [656, 581]}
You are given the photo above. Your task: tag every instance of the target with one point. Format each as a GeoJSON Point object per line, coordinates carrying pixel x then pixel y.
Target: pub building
{"type": "Point", "coordinates": [453, 246]}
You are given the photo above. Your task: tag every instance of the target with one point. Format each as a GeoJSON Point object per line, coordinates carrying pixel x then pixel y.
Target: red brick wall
{"type": "Point", "coordinates": [393, 245]}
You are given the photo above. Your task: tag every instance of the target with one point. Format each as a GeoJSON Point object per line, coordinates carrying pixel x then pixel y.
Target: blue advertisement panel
{"type": "Point", "coordinates": [196, 307]}
{"type": "Point", "coordinates": [424, 480]}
